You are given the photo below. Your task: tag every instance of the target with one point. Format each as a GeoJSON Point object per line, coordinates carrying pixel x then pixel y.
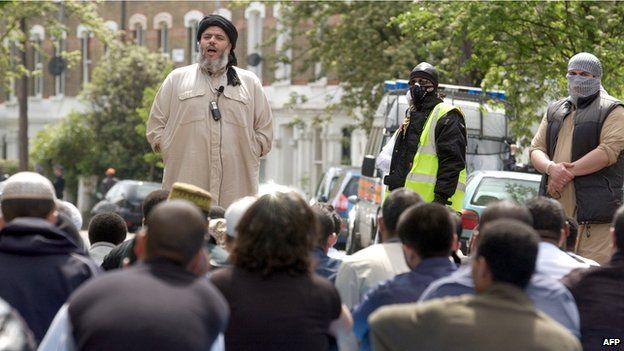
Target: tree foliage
{"type": "Point", "coordinates": [45, 13]}
{"type": "Point", "coordinates": [520, 47]}
{"type": "Point", "coordinates": [108, 135]}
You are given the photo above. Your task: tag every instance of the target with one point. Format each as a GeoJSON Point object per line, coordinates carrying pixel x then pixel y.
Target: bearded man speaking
{"type": "Point", "coordinates": [211, 121]}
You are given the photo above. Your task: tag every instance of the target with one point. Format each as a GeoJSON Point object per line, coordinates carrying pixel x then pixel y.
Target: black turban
{"type": "Point", "coordinates": [231, 32]}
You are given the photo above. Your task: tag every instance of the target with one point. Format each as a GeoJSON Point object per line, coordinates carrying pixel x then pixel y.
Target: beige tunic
{"type": "Point", "coordinates": [223, 156]}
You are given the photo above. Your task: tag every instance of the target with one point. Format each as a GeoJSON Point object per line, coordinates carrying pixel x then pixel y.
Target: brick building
{"type": "Point", "coordinates": [302, 148]}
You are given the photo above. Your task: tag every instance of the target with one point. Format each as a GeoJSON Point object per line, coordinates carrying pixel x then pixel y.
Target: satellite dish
{"type": "Point", "coordinates": [57, 65]}
{"type": "Point", "coordinates": [254, 59]}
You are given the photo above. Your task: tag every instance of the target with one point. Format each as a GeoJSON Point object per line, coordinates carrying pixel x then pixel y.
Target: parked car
{"type": "Point", "coordinates": [335, 188]}
{"type": "Point", "coordinates": [483, 187]}
{"type": "Point", "coordinates": [487, 132]}
{"type": "Point", "coordinates": [126, 199]}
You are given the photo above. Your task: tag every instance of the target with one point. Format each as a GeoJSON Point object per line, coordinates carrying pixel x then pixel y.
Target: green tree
{"type": "Point", "coordinates": [519, 47]}
{"type": "Point", "coordinates": [16, 17]}
{"type": "Point", "coordinates": [107, 136]}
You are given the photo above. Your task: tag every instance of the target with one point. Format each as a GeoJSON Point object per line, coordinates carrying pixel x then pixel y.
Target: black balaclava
{"type": "Point", "coordinates": [426, 71]}
{"type": "Point", "coordinates": [232, 33]}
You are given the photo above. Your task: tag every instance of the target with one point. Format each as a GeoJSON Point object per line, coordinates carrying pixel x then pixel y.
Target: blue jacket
{"type": "Point", "coordinates": [403, 288]}
{"type": "Point", "coordinates": [40, 266]}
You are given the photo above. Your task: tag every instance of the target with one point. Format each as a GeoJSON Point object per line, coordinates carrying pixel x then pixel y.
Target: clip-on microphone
{"type": "Point", "coordinates": [214, 107]}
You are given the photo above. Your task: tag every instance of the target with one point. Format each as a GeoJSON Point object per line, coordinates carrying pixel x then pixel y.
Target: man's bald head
{"type": "Point", "coordinates": [175, 230]}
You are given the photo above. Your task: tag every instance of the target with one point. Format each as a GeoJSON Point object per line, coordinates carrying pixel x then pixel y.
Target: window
{"type": "Point", "coordinates": [83, 33]}
{"type": "Point", "coordinates": [163, 22]}
{"type": "Point", "coordinates": [191, 22]}
{"type": "Point", "coordinates": [37, 82]}
{"type": "Point", "coordinates": [137, 24]}
{"type": "Point", "coordinates": [12, 62]}
{"type": "Point", "coordinates": [59, 81]}
{"type": "Point", "coordinates": [138, 34]}
{"type": "Point", "coordinates": [163, 38]}
{"type": "Point", "coordinates": [193, 47]}
{"type": "Point", "coordinates": [254, 14]}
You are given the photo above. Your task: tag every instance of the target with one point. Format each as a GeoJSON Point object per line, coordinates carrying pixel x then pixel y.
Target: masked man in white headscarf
{"type": "Point", "coordinates": [578, 147]}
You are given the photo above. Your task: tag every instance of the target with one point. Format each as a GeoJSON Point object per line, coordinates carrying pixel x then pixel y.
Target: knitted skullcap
{"type": "Point", "coordinates": [586, 62]}
{"type": "Point", "coordinates": [28, 185]}
{"type": "Point", "coordinates": [191, 193]}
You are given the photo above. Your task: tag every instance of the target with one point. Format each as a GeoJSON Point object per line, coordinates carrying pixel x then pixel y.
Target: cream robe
{"type": "Point", "coordinates": [223, 156]}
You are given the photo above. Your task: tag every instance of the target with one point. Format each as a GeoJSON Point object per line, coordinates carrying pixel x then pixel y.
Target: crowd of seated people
{"type": "Point", "coordinates": [260, 278]}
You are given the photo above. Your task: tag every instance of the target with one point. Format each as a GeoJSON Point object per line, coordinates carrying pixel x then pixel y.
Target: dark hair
{"type": "Point", "coordinates": [510, 249]}
{"type": "Point", "coordinates": [398, 201]}
{"type": "Point", "coordinates": [152, 199]}
{"type": "Point", "coordinates": [276, 234]}
{"type": "Point", "coordinates": [618, 228]}
{"type": "Point", "coordinates": [505, 209]}
{"type": "Point", "coordinates": [428, 229]}
{"type": "Point", "coordinates": [108, 227]}
{"type": "Point", "coordinates": [15, 208]}
{"type": "Point", "coordinates": [167, 238]}
{"type": "Point", "coordinates": [570, 244]}
{"type": "Point", "coordinates": [216, 212]}
{"type": "Point", "coordinates": [548, 218]}
{"type": "Point", "coordinates": [329, 221]}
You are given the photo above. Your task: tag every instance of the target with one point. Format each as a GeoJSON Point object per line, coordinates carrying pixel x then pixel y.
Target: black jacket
{"type": "Point", "coordinates": [40, 266]}
{"type": "Point", "coordinates": [451, 143]}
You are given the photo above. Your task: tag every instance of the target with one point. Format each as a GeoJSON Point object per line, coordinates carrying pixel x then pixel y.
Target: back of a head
{"type": "Point", "coordinates": [175, 230]}
{"type": "Point", "coordinates": [276, 234]}
{"type": "Point", "coordinates": [107, 227]}
{"type": "Point", "coordinates": [618, 228]}
{"type": "Point", "coordinates": [505, 209]}
{"type": "Point", "coordinates": [152, 199]}
{"type": "Point", "coordinates": [329, 221]}
{"type": "Point", "coordinates": [27, 194]}
{"type": "Point", "coordinates": [510, 249]}
{"type": "Point", "coordinates": [70, 212]}
{"type": "Point", "coordinates": [548, 218]}
{"type": "Point", "coordinates": [398, 201]}
{"type": "Point", "coordinates": [428, 229]}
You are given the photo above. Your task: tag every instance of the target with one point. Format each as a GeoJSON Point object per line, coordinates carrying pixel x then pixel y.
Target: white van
{"type": "Point", "coordinates": [488, 147]}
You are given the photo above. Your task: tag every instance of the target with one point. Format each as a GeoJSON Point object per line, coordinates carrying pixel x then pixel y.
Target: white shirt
{"type": "Point", "coordinates": [366, 268]}
{"type": "Point", "coordinates": [554, 262]}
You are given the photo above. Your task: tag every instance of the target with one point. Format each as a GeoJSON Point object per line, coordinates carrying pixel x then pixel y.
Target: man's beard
{"type": "Point", "coordinates": [209, 65]}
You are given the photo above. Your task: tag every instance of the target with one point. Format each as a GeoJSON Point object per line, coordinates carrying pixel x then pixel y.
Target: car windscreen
{"type": "Point", "coordinates": [352, 186]}
{"type": "Point", "coordinates": [494, 189]}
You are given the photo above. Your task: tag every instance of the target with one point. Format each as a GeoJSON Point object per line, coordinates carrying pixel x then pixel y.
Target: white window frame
{"type": "Point", "coordinates": [254, 14]}
{"type": "Point", "coordinates": [138, 23]}
{"type": "Point", "coordinates": [60, 80]}
{"type": "Point", "coordinates": [84, 35]}
{"type": "Point", "coordinates": [191, 22]}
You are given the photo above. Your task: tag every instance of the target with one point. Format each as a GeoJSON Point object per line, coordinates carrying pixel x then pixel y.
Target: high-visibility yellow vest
{"type": "Point", "coordinates": [422, 177]}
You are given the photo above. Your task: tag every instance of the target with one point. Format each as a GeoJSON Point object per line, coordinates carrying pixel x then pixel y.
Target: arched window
{"type": "Point", "coordinates": [37, 34]}
{"type": "Point", "coordinates": [59, 80]}
{"type": "Point", "coordinates": [191, 22]}
{"type": "Point", "coordinates": [163, 22]}
{"type": "Point", "coordinates": [254, 14]}
{"type": "Point", "coordinates": [137, 24]}
{"type": "Point", "coordinates": [84, 35]}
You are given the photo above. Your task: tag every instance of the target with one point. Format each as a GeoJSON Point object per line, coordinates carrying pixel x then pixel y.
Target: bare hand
{"type": "Point", "coordinates": [560, 176]}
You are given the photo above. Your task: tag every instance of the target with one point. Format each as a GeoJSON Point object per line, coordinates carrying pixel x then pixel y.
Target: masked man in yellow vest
{"type": "Point", "coordinates": [429, 155]}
